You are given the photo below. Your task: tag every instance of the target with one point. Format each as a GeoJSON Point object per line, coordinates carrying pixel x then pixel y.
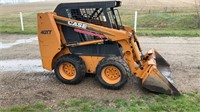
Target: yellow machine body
{"type": "Point", "coordinates": [150, 68]}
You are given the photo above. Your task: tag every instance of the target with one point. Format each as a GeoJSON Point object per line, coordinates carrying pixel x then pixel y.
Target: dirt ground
{"type": "Point", "coordinates": [23, 87]}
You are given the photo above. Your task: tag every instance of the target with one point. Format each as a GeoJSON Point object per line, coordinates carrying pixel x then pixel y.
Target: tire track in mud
{"type": "Point", "coordinates": [26, 88]}
{"type": "Point", "coordinates": [23, 81]}
{"type": "Point", "coordinates": [29, 88]}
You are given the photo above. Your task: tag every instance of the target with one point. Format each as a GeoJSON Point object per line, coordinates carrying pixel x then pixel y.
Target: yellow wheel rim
{"type": "Point", "coordinates": [111, 74]}
{"type": "Point", "coordinates": [67, 71]}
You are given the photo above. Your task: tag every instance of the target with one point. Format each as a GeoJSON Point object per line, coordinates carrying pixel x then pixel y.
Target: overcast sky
{"type": "Point", "coordinates": [17, 1]}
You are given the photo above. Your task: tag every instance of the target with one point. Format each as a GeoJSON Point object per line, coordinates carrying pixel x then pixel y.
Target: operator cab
{"type": "Point", "coordinates": [99, 13]}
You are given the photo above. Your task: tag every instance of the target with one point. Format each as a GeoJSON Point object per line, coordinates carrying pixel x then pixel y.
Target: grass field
{"type": "Point", "coordinates": [155, 103]}
{"type": "Point", "coordinates": [154, 23]}
{"type": "Point", "coordinates": [164, 24]}
{"type": "Point", "coordinates": [11, 24]}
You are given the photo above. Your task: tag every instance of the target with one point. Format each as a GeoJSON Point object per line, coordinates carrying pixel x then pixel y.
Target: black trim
{"type": "Point", "coordinates": [101, 4]}
{"type": "Point", "coordinates": [105, 49]}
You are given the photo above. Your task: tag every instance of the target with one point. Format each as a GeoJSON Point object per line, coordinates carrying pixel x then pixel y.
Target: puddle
{"type": "Point", "coordinates": [21, 65]}
{"type": "Point", "coordinates": [17, 42]}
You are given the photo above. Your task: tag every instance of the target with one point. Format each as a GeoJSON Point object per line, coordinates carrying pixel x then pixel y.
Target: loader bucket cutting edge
{"type": "Point", "coordinates": [158, 77]}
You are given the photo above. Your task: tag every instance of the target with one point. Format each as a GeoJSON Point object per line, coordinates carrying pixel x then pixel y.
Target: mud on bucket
{"type": "Point", "coordinates": [158, 79]}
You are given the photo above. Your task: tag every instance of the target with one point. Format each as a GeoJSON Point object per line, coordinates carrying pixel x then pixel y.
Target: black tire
{"type": "Point", "coordinates": [78, 69]}
{"type": "Point", "coordinates": [116, 62]}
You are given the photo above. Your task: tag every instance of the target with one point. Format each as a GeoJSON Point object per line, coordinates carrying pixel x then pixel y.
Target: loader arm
{"type": "Point", "coordinates": [111, 34]}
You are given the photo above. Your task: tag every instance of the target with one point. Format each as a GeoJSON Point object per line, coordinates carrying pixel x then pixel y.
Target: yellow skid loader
{"type": "Point", "coordinates": [88, 37]}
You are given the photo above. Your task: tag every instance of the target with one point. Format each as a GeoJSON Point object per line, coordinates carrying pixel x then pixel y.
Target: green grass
{"type": "Point", "coordinates": [168, 32]}
{"type": "Point", "coordinates": [187, 102]}
{"type": "Point", "coordinates": [153, 24]}
{"type": "Point", "coordinates": [164, 24]}
{"type": "Point", "coordinates": [32, 108]}
{"type": "Point", "coordinates": [11, 24]}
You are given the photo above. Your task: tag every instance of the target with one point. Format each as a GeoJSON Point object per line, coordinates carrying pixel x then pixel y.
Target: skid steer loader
{"type": "Point", "coordinates": [88, 37]}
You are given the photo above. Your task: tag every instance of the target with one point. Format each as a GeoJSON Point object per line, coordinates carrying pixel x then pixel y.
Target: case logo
{"type": "Point", "coordinates": [76, 24]}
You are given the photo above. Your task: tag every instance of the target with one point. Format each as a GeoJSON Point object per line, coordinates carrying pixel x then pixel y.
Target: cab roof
{"type": "Point", "coordinates": [95, 4]}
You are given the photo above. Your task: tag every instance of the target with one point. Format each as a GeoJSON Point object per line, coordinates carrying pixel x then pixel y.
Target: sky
{"type": "Point", "coordinates": [18, 1]}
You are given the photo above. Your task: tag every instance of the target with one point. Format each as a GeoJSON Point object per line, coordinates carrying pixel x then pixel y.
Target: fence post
{"type": "Point", "coordinates": [21, 20]}
{"type": "Point", "coordinates": [135, 22]}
